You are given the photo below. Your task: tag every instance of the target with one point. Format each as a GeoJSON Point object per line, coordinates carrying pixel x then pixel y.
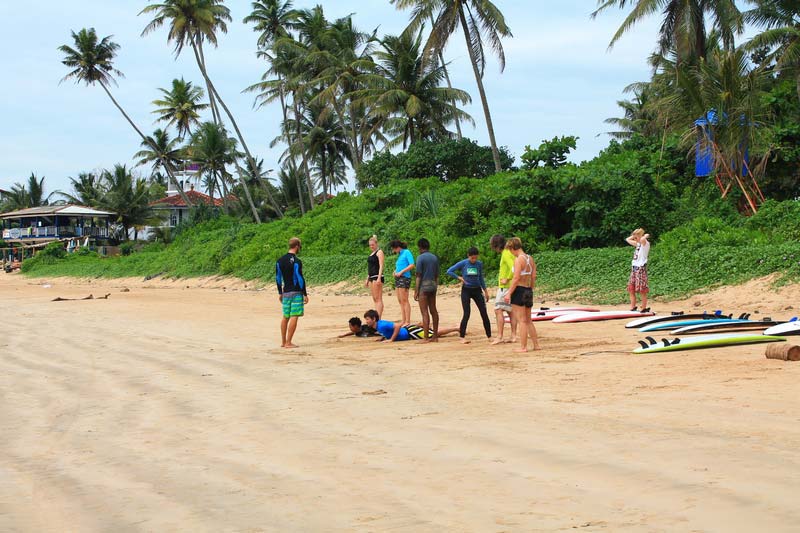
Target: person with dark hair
{"type": "Point", "coordinates": [427, 282]}
{"type": "Point", "coordinates": [520, 294]}
{"type": "Point", "coordinates": [292, 291]}
{"type": "Point", "coordinates": [358, 329]}
{"type": "Point", "coordinates": [473, 287]}
{"type": "Point", "coordinates": [402, 277]}
{"type": "Point", "coordinates": [501, 308]}
{"type": "Point", "coordinates": [397, 331]}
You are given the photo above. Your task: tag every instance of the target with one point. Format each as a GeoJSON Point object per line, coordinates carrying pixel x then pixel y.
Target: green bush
{"type": "Point", "coordinates": [447, 160]}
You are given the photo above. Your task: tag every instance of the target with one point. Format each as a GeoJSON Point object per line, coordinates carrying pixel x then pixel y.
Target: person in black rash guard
{"type": "Point", "coordinates": [292, 291]}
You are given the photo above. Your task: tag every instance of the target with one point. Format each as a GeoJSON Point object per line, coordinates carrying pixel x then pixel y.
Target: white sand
{"type": "Point", "coordinates": [172, 409]}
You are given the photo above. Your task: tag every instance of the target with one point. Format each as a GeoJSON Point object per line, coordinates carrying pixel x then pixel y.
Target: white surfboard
{"type": "Point", "coordinates": [591, 316]}
{"type": "Point", "coordinates": [787, 328]}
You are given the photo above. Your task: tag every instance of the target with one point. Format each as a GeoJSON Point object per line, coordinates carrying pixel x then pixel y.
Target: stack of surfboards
{"type": "Point", "coordinates": [721, 331]}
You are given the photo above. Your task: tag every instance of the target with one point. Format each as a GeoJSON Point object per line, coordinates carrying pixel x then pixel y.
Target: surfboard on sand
{"type": "Point", "coordinates": [590, 316]}
{"type": "Point", "coordinates": [691, 322]}
{"type": "Point", "coordinates": [788, 328]}
{"type": "Point", "coordinates": [679, 315]}
{"type": "Point", "coordinates": [703, 341]}
{"type": "Point", "coordinates": [729, 326]}
{"type": "Point", "coordinates": [549, 314]}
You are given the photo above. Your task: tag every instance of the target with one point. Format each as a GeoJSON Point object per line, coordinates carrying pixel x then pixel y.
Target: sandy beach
{"type": "Point", "coordinates": [169, 407]}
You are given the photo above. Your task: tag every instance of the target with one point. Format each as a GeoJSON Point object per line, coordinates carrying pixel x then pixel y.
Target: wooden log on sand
{"type": "Point", "coordinates": [783, 351]}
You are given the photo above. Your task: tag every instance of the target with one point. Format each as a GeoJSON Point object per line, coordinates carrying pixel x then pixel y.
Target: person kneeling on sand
{"type": "Point", "coordinates": [396, 331]}
{"type": "Point", "coordinates": [358, 329]}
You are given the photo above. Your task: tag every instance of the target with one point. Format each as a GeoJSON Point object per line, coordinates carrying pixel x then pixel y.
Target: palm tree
{"type": "Point", "coordinates": [128, 197]}
{"type": "Point", "coordinates": [194, 22]}
{"type": "Point", "coordinates": [273, 18]}
{"type": "Point", "coordinates": [180, 106]}
{"type": "Point", "coordinates": [160, 151]}
{"type": "Point", "coordinates": [213, 151]}
{"type": "Point", "coordinates": [407, 92]}
{"type": "Point", "coordinates": [87, 190]}
{"type": "Point", "coordinates": [479, 20]}
{"type": "Point", "coordinates": [781, 20]}
{"type": "Point", "coordinates": [30, 194]}
{"type": "Point", "coordinates": [728, 93]}
{"type": "Point", "coordinates": [342, 66]}
{"type": "Point", "coordinates": [92, 61]}
{"type": "Point", "coordinates": [683, 26]}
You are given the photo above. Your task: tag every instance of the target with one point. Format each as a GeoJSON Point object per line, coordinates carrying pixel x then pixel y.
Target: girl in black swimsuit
{"type": "Point", "coordinates": [375, 263]}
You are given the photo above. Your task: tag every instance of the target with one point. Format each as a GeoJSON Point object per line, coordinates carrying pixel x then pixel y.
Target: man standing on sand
{"type": "Point", "coordinates": [425, 289]}
{"type": "Point", "coordinates": [292, 291]}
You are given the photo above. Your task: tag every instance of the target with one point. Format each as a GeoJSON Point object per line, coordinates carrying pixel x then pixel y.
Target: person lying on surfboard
{"type": "Point", "coordinates": [396, 331]}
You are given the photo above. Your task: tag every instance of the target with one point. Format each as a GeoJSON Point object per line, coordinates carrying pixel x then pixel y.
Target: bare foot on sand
{"type": "Point", "coordinates": [431, 339]}
{"type": "Point", "coordinates": [464, 341]}
{"type": "Point", "coordinates": [290, 345]}
{"type": "Point", "coordinates": [520, 350]}
{"type": "Point", "coordinates": [497, 341]}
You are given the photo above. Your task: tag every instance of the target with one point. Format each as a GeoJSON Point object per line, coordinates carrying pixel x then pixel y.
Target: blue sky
{"type": "Point", "coordinates": [560, 79]}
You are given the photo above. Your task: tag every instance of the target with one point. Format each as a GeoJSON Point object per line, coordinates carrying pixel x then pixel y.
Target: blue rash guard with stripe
{"type": "Point", "coordinates": [471, 272]}
{"type": "Point", "coordinates": [289, 275]}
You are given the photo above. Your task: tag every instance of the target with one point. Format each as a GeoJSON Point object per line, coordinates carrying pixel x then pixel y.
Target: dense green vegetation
{"type": "Point", "coordinates": [554, 209]}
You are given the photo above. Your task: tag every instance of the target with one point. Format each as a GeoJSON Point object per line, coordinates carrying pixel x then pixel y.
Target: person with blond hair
{"type": "Point", "coordinates": [375, 280]}
{"type": "Point", "coordinates": [638, 282]}
{"type": "Point", "coordinates": [520, 294]}
{"type": "Point", "coordinates": [292, 291]}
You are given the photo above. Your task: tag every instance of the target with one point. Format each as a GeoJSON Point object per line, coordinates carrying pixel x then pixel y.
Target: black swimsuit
{"type": "Point", "coordinates": [373, 266]}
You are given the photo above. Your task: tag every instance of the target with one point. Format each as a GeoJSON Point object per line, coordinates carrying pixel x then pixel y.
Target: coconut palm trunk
{"type": "Point", "coordinates": [167, 167]}
{"type": "Point", "coordinates": [489, 126]}
{"type": "Point", "coordinates": [299, 134]}
{"type": "Point", "coordinates": [292, 162]}
{"type": "Point", "coordinates": [251, 161]}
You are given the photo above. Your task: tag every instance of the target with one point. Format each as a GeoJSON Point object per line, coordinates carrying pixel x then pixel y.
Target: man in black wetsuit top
{"type": "Point", "coordinates": [292, 291]}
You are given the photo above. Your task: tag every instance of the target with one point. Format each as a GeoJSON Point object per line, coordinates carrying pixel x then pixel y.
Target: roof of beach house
{"type": "Point", "coordinates": [195, 197]}
{"type": "Point", "coordinates": [60, 210]}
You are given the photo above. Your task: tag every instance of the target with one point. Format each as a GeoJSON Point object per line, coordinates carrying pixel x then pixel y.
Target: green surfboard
{"type": "Point", "coordinates": [707, 341]}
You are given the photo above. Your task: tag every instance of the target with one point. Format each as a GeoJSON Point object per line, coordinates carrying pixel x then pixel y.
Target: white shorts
{"type": "Point", "coordinates": [499, 303]}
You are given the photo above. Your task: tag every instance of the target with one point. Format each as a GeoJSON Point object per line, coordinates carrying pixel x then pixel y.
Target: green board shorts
{"type": "Point", "coordinates": [293, 305]}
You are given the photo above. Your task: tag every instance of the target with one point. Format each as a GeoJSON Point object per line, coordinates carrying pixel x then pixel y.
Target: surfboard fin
{"type": "Point", "coordinates": [676, 341]}
{"type": "Point", "coordinates": [651, 340]}
{"type": "Point", "coordinates": [544, 308]}
{"type": "Point", "coordinates": [767, 319]}
{"type": "Point", "coordinates": [540, 313]}
{"type": "Point", "coordinates": [665, 342]}
{"type": "Point", "coordinates": [677, 313]}
{"type": "Point", "coordinates": [643, 344]}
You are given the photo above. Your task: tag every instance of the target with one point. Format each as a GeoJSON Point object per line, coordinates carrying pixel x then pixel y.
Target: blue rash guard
{"type": "Point", "coordinates": [289, 275]}
{"type": "Point", "coordinates": [403, 261]}
{"type": "Point", "coordinates": [386, 328]}
{"type": "Point", "coordinates": [471, 272]}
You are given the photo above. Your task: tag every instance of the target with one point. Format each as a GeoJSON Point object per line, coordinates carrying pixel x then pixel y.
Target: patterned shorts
{"type": "Point", "coordinates": [499, 303]}
{"type": "Point", "coordinates": [638, 280]}
{"type": "Point", "coordinates": [402, 283]}
{"type": "Point", "coordinates": [293, 305]}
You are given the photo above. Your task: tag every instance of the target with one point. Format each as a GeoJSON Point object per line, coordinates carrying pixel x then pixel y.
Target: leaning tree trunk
{"type": "Point", "coordinates": [292, 162]}
{"type": "Point", "coordinates": [303, 149]}
{"type": "Point", "coordinates": [250, 160]}
{"type": "Point", "coordinates": [167, 168]}
{"type": "Point", "coordinates": [495, 152]}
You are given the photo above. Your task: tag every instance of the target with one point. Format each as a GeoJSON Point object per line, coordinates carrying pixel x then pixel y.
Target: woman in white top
{"type": "Point", "coordinates": [638, 280]}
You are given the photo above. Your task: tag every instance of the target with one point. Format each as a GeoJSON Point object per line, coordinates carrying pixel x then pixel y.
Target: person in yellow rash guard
{"type": "Point", "coordinates": [501, 308]}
